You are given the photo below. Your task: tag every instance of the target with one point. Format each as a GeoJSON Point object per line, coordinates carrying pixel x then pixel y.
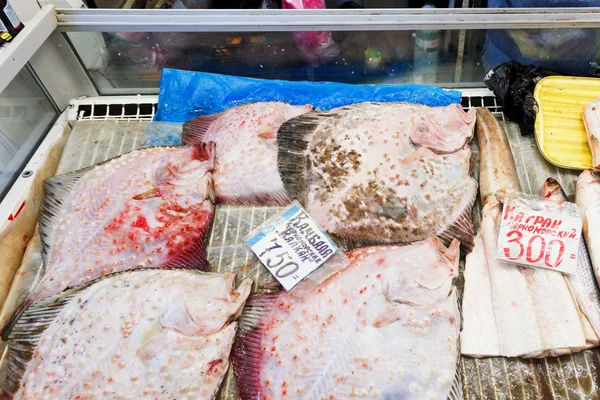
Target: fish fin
{"type": "Point", "coordinates": [27, 302]}
{"type": "Point", "coordinates": [195, 130]}
{"type": "Point", "coordinates": [293, 139]}
{"type": "Point", "coordinates": [149, 194]}
{"type": "Point", "coordinates": [192, 258]}
{"type": "Point", "coordinates": [58, 190]}
{"type": "Point", "coordinates": [392, 314]}
{"type": "Point", "coordinates": [278, 198]}
{"type": "Point", "coordinates": [247, 352]}
{"type": "Point", "coordinates": [456, 390]}
{"type": "Point", "coordinates": [23, 338]}
{"type": "Point", "coordinates": [417, 155]}
{"type": "Point", "coordinates": [461, 229]}
{"type": "Point", "coordinates": [452, 252]}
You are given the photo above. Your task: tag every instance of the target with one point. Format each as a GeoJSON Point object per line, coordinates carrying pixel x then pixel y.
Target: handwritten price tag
{"type": "Point", "coordinates": [292, 246]}
{"type": "Point", "coordinates": [539, 238]}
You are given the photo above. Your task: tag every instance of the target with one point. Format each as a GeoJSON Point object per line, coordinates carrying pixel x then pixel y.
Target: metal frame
{"type": "Point", "coordinates": [102, 20]}
{"type": "Point", "coordinates": [18, 53]}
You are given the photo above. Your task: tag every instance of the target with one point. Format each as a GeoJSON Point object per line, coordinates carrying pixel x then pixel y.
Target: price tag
{"type": "Point", "coordinates": [539, 238]}
{"type": "Point", "coordinates": [292, 246]}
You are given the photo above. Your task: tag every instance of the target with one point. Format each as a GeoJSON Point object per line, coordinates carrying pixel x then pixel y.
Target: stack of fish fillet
{"type": "Point", "coordinates": [519, 311]}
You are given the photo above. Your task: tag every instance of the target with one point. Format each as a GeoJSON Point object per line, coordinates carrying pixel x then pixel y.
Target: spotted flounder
{"type": "Point", "coordinates": [148, 208]}
{"type": "Point", "coordinates": [159, 334]}
{"type": "Point", "coordinates": [383, 173]}
{"type": "Point", "coordinates": [385, 327]}
{"type": "Point", "coordinates": [246, 163]}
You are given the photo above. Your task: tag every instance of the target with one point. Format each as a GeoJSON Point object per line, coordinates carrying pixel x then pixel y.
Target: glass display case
{"type": "Point", "coordinates": [95, 74]}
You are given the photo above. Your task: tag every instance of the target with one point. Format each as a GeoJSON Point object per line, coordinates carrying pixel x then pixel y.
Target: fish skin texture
{"type": "Point", "coordinates": [583, 283]}
{"type": "Point", "coordinates": [143, 209]}
{"type": "Point", "coordinates": [588, 200]}
{"type": "Point", "coordinates": [591, 120]}
{"type": "Point", "coordinates": [120, 337]}
{"type": "Point", "coordinates": [497, 171]}
{"type": "Point", "coordinates": [383, 173]}
{"type": "Point", "coordinates": [246, 162]}
{"type": "Point", "coordinates": [368, 331]}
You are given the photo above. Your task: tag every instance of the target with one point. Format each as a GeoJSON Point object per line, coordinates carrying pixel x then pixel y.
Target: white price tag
{"type": "Point", "coordinates": [292, 246]}
{"type": "Point", "coordinates": [539, 238]}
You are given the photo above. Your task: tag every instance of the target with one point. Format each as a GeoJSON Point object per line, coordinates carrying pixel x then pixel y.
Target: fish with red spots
{"type": "Point", "coordinates": [150, 208]}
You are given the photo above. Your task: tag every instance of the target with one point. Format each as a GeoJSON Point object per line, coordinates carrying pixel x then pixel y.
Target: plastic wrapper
{"type": "Point", "coordinates": [514, 84]}
{"type": "Point", "coordinates": [317, 47]}
{"type": "Point", "coordinates": [280, 224]}
{"type": "Point", "coordinates": [185, 95]}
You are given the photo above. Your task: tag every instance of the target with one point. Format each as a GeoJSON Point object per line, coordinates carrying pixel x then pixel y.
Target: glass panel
{"type": "Point", "coordinates": [26, 115]}
{"type": "Point", "coordinates": [131, 62]}
{"type": "Point", "coordinates": [122, 63]}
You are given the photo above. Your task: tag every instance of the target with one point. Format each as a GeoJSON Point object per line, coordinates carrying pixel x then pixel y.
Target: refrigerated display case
{"type": "Point", "coordinates": [85, 82]}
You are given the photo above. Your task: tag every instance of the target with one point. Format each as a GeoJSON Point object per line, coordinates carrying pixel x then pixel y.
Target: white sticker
{"type": "Point", "coordinates": [292, 246]}
{"type": "Point", "coordinates": [12, 16]}
{"type": "Point", "coordinates": [539, 238]}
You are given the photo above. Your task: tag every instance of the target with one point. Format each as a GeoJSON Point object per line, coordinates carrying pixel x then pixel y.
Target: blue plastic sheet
{"type": "Point", "coordinates": [163, 134]}
{"type": "Point", "coordinates": [186, 94]}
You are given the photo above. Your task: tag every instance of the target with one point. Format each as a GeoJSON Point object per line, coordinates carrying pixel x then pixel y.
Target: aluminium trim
{"type": "Point", "coordinates": [330, 20]}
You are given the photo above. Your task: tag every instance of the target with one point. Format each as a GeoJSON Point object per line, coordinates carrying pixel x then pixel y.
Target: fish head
{"type": "Point", "coordinates": [188, 316]}
{"type": "Point", "coordinates": [553, 191]}
{"type": "Point", "coordinates": [186, 174]}
{"type": "Point", "coordinates": [429, 279]}
{"type": "Point", "coordinates": [443, 131]}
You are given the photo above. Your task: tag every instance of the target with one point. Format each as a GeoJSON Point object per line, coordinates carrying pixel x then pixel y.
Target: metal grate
{"type": "Point", "coordinates": [123, 108]}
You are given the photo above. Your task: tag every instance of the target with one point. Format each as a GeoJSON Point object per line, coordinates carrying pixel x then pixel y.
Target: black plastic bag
{"type": "Point", "coordinates": [513, 84]}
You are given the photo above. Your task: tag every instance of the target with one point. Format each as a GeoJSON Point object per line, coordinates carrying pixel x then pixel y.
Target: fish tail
{"type": "Point", "coordinates": [196, 130]}
{"type": "Point", "coordinates": [247, 350]}
{"type": "Point", "coordinates": [192, 258]}
{"type": "Point", "coordinates": [461, 229]}
{"type": "Point", "coordinates": [15, 317]}
{"type": "Point", "coordinates": [293, 139]}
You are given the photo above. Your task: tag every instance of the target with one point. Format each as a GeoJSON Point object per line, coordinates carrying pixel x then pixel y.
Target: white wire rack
{"type": "Point", "coordinates": [115, 125]}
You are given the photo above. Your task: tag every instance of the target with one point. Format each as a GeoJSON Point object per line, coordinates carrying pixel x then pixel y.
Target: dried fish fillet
{"type": "Point", "coordinates": [158, 334]}
{"type": "Point", "coordinates": [148, 208]}
{"type": "Point", "coordinates": [246, 163]}
{"type": "Point", "coordinates": [382, 173]}
{"type": "Point", "coordinates": [384, 327]}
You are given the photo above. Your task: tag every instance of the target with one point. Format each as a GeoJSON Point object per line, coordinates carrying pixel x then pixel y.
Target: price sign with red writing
{"type": "Point", "coordinates": [539, 238]}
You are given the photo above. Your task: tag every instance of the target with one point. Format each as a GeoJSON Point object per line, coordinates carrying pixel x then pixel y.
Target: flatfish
{"type": "Point", "coordinates": [148, 208]}
{"type": "Point", "coordinates": [385, 327]}
{"type": "Point", "coordinates": [382, 173]}
{"type": "Point", "coordinates": [159, 334]}
{"type": "Point", "coordinates": [246, 163]}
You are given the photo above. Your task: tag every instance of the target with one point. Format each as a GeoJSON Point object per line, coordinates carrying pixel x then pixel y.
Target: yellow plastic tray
{"type": "Point", "coordinates": [559, 128]}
